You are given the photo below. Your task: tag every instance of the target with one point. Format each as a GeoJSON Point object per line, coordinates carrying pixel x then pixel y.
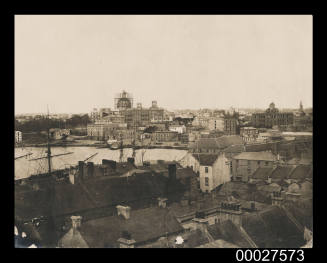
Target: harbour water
{"type": "Point", "coordinates": [26, 166]}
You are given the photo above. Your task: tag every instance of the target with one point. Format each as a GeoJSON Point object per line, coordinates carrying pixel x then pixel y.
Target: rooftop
{"type": "Point", "coordinates": [206, 159]}
{"type": "Point", "coordinates": [258, 156]}
{"type": "Point", "coordinates": [228, 232]}
{"type": "Point", "coordinates": [272, 228]}
{"type": "Point", "coordinates": [262, 173]}
{"type": "Point", "coordinates": [217, 143]}
{"type": "Point", "coordinates": [143, 225]}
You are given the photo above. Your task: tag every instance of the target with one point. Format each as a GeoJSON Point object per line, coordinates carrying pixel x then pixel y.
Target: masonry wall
{"type": "Point", "coordinates": [203, 175]}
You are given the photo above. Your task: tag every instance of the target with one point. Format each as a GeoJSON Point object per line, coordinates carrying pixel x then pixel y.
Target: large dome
{"type": "Point", "coordinates": [124, 103]}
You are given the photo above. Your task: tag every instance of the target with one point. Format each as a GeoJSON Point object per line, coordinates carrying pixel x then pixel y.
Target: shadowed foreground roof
{"type": "Point", "coordinates": [272, 228]}
{"type": "Point", "coordinates": [228, 232]}
{"type": "Point", "coordinates": [218, 244]}
{"type": "Point", "coordinates": [143, 225]}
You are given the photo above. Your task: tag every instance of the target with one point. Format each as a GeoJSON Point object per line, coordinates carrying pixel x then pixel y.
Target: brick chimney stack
{"type": "Point", "coordinates": [125, 211]}
{"type": "Point", "coordinates": [276, 198]}
{"type": "Point", "coordinates": [162, 202]}
{"type": "Point", "coordinates": [76, 222]}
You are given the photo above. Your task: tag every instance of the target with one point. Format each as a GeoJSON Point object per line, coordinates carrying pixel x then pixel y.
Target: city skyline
{"type": "Point", "coordinates": [77, 63]}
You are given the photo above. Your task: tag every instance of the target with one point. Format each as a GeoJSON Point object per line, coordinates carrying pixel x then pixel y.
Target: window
{"type": "Point", "coordinates": [206, 181]}
{"type": "Point", "coordinates": [266, 163]}
{"type": "Point", "coordinates": [206, 169]}
{"type": "Point", "coordinates": [258, 162]}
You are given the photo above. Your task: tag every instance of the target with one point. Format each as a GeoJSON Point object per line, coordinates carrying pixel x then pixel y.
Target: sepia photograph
{"type": "Point", "coordinates": [163, 131]}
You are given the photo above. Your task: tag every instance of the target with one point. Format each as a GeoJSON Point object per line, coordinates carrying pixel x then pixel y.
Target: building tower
{"type": "Point", "coordinates": [123, 101]}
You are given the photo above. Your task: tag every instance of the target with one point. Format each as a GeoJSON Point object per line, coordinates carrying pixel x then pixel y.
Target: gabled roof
{"type": "Point", "coordinates": [206, 159]}
{"type": "Point", "coordinates": [73, 239]}
{"type": "Point", "coordinates": [259, 156]}
{"type": "Point", "coordinates": [301, 172]}
{"type": "Point", "coordinates": [144, 225]}
{"type": "Point", "coordinates": [282, 172]}
{"type": "Point", "coordinates": [217, 143]}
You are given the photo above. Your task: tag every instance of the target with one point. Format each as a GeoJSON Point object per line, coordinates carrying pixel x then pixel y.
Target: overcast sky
{"type": "Point", "coordinates": [75, 63]}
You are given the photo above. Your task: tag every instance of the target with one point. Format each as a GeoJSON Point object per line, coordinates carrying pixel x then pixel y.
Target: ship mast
{"type": "Point", "coordinates": [134, 141]}
{"type": "Point", "coordinates": [49, 149]}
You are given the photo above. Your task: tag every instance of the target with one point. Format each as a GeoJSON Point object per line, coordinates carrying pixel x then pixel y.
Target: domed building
{"type": "Point", "coordinates": [123, 101]}
{"type": "Point", "coordinates": [272, 117]}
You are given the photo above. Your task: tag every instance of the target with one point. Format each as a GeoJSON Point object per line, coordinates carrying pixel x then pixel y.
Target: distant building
{"type": "Point", "coordinates": [216, 124]}
{"type": "Point", "coordinates": [231, 124]}
{"type": "Point", "coordinates": [178, 128]}
{"type": "Point", "coordinates": [246, 163]}
{"type": "Point", "coordinates": [123, 101]}
{"type": "Point", "coordinates": [249, 134]}
{"type": "Point", "coordinates": [103, 130]}
{"type": "Point", "coordinates": [18, 136]}
{"type": "Point", "coordinates": [59, 133]}
{"type": "Point", "coordinates": [165, 136]}
{"type": "Point", "coordinates": [272, 117]}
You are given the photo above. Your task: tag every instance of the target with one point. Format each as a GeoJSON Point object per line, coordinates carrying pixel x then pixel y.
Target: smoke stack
{"type": "Point", "coordinates": [76, 223]}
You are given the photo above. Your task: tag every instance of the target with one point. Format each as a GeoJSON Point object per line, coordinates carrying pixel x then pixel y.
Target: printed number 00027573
{"type": "Point", "coordinates": [270, 255]}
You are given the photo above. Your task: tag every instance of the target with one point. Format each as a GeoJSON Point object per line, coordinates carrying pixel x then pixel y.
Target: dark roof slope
{"type": "Point", "coordinates": [301, 172]}
{"type": "Point", "coordinates": [139, 188]}
{"type": "Point", "coordinates": [228, 232]}
{"type": "Point", "coordinates": [282, 172]}
{"type": "Point", "coordinates": [143, 225]}
{"type": "Point", "coordinates": [262, 173]}
{"type": "Point", "coordinates": [30, 204]}
{"type": "Point", "coordinates": [206, 159]}
{"type": "Point", "coordinates": [271, 228]}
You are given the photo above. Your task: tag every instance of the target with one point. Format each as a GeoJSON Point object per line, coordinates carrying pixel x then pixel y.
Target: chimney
{"type": "Point", "coordinates": [172, 171]}
{"type": "Point", "coordinates": [73, 175]}
{"type": "Point", "coordinates": [252, 206]}
{"type": "Point", "coordinates": [276, 198]}
{"type": "Point", "coordinates": [90, 169]}
{"type": "Point", "coordinates": [200, 224]}
{"type": "Point", "coordinates": [76, 223]}
{"type": "Point", "coordinates": [126, 241]}
{"type": "Point", "coordinates": [269, 180]}
{"type": "Point", "coordinates": [232, 212]}
{"type": "Point", "coordinates": [124, 211]}
{"type": "Point", "coordinates": [131, 160]}
{"type": "Point", "coordinates": [162, 202]}
{"type": "Point", "coordinates": [109, 163]}
{"type": "Point", "coordinates": [81, 168]}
